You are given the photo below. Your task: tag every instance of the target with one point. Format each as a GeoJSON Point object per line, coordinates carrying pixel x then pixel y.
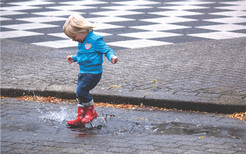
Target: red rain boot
{"type": "Point", "coordinates": [77, 122]}
{"type": "Point", "coordinates": [90, 115]}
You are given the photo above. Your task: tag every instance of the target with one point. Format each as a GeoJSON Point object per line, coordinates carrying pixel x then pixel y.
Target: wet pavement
{"type": "Point", "coordinates": [34, 127]}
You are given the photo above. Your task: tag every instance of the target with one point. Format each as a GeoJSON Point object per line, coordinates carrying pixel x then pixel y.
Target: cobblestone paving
{"type": "Point", "coordinates": [31, 127]}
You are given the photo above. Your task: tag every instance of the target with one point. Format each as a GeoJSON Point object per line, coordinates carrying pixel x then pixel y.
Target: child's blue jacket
{"type": "Point", "coordinates": [90, 54]}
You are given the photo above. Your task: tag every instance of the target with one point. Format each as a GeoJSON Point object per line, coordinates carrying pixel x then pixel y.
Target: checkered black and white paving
{"type": "Point", "coordinates": [124, 23]}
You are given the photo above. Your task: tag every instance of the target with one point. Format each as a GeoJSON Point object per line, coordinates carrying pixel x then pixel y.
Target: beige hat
{"type": "Point", "coordinates": [76, 24]}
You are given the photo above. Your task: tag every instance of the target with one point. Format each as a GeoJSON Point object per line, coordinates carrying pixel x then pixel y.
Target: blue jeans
{"type": "Point", "coordinates": [86, 82]}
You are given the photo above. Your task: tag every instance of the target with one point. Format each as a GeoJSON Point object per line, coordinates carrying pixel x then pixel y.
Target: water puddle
{"type": "Point", "coordinates": [110, 125]}
{"type": "Point", "coordinates": [196, 130]}
{"type": "Point", "coordinates": [113, 124]}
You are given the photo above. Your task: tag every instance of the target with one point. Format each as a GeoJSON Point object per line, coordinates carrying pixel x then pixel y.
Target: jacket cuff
{"type": "Point", "coordinates": [74, 58]}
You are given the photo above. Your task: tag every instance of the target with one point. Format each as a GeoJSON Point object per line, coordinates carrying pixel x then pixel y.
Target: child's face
{"type": "Point", "coordinates": [80, 37]}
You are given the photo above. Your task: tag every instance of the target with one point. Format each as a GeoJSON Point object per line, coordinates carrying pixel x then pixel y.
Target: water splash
{"type": "Point", "coordinates": [55, 116]}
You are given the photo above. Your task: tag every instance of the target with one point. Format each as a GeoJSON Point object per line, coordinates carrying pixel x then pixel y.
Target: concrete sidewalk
{"type": "Point", "coordinates": [205, 76]}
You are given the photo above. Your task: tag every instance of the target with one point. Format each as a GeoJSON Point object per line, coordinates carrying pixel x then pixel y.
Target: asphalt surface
{"type": "Point", "coordinates": [34, 127]}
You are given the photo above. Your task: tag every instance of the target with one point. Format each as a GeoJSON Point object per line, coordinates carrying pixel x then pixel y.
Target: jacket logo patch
{"type": "Point", "coordinates": [88, 46]}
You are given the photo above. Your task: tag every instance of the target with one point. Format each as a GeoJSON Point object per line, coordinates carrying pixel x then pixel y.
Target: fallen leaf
{"type": "Point", "coordinates": [240, 116]}
{"type": "Point", "coordinates": [114, 86]}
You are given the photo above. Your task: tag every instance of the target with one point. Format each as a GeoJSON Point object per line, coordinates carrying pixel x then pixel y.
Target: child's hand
{"type": "Point", "coordinates": [114, 59]}
{"type": "Point", "coordinates": [69, 59]}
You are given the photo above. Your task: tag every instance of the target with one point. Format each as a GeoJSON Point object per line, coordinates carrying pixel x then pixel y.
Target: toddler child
{"type": "Point", "coordinates": [91, 48]}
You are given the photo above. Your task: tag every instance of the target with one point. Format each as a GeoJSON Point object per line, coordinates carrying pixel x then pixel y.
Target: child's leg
{"type": "Point", "coordinates": [86, 82]}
